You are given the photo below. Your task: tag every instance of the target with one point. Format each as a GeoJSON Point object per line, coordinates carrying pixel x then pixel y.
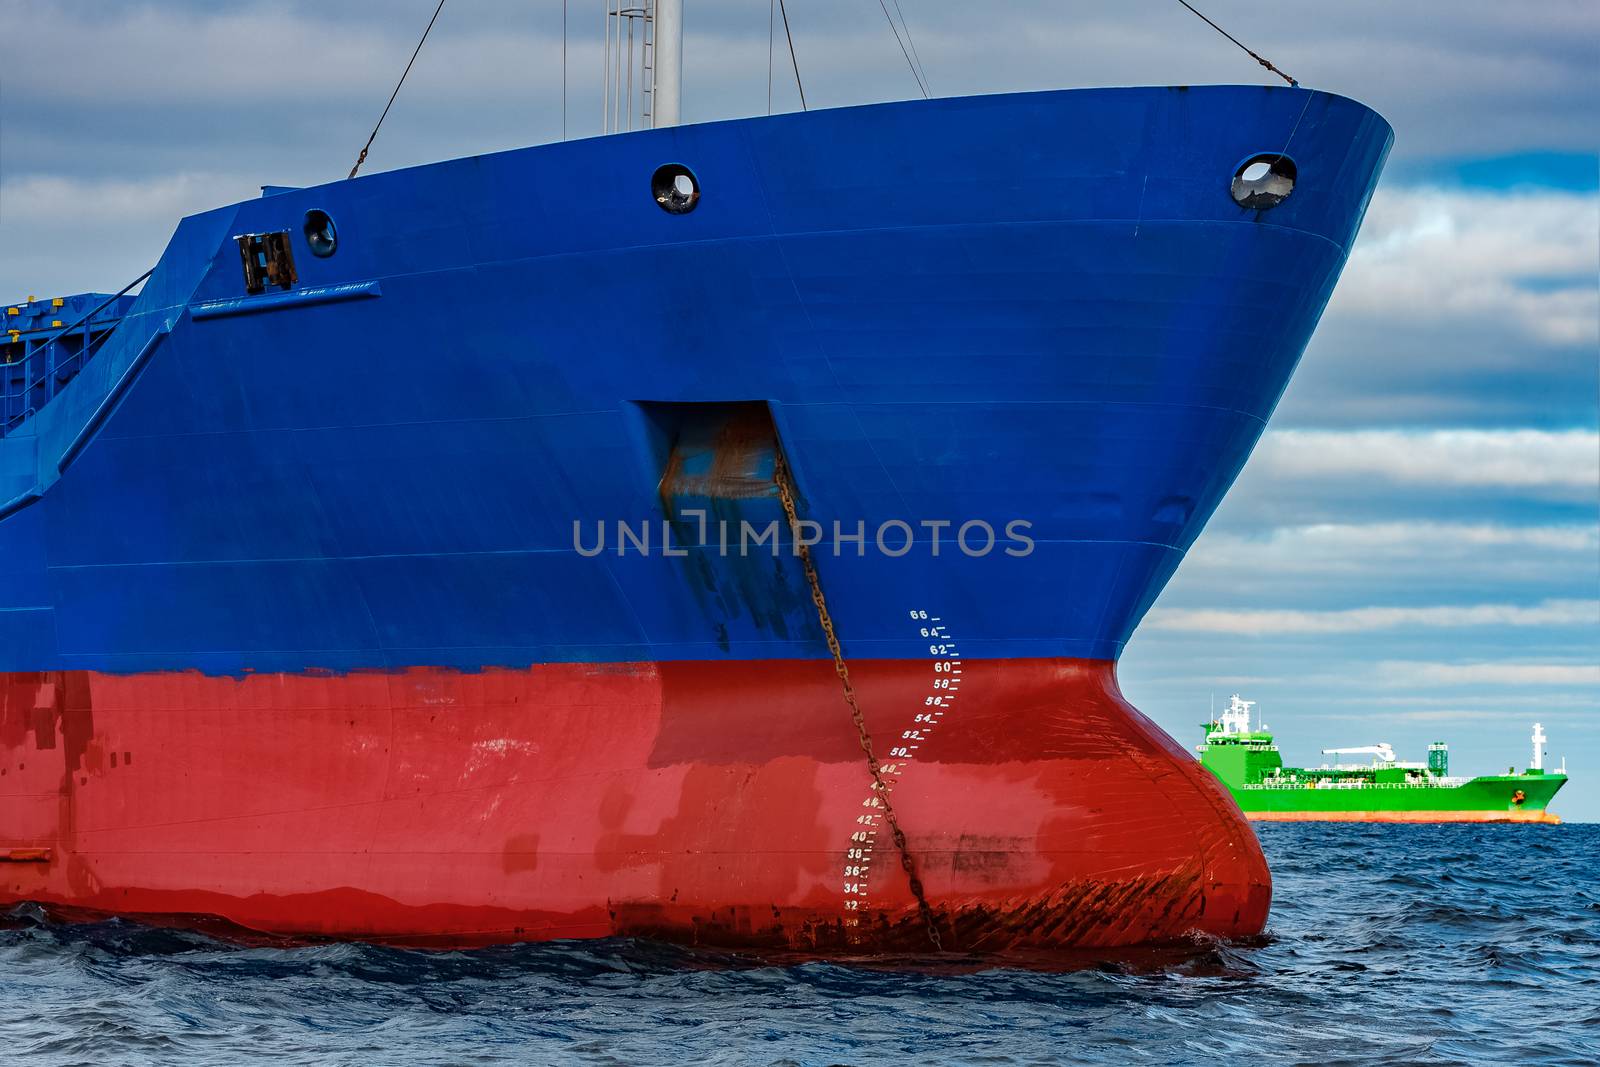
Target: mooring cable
{"type": "Point", "coordinates": [362, 158]}
{"type": "Point", "coordinates": [1253, 55]}
{"type": "Point", "coordinates": [784, 11]}
{"type": "Point", "coordinates": [922, 88]}
{"type": "Point", "coordinates": [926, 89]}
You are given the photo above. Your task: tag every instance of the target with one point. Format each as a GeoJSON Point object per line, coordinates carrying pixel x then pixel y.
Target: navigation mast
{"type": "Point", "coordinates": [668, 86]}
{"type": "Point", "coordinates": [643, 64]}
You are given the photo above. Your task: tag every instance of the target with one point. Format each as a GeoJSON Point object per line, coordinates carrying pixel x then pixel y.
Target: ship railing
{"type": "Point", "coordinates": [59, 363]}
{"type": "Point", "coordinates": [1322, 783]}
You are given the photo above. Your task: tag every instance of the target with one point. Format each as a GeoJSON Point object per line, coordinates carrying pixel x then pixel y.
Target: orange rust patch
{"type": "Point", "coordinates": [25, 855]}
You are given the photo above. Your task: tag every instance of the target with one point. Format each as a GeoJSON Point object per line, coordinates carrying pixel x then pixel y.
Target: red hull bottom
{"type": "Point", "coordinates": [722, 804]}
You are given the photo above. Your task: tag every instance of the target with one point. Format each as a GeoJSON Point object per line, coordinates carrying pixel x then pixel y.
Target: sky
{"type": "Point", "coordinates": [1413, 553]}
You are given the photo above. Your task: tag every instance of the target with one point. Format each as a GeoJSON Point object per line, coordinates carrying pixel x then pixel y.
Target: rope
{"type": "Point", "coordinates": [1258, 58]}
{"type": "Point", "coordinates": [785, 12]}
{"type": "Point", "coordinates": [920, 68]}
{"type": "Point", "coordinates": [362, 158]}
{"type": "Point", "coordinates": [896, 31]}
{"type": "Point", "coordinates": [780, 475]}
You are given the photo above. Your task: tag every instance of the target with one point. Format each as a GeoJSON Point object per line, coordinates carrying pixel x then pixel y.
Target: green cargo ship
{"type": "Point", "coordinates": [1386, 790]}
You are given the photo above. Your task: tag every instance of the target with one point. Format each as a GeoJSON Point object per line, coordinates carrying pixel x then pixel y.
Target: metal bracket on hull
{"type": "Point", "coordinates": [267, 260]}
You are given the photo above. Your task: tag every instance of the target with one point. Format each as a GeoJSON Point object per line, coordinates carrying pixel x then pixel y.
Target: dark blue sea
{"type": "Point", "coordinates": [1391, 944]}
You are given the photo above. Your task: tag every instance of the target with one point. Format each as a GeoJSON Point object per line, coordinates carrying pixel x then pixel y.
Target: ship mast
{"type": "Point", "coordinates": [668, 87]}
{"type": "Point", "coordinates": [643, 64]}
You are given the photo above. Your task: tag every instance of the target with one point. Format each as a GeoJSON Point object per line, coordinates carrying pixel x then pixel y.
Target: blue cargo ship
{"type": "Point", "coordinates": [369, 573]}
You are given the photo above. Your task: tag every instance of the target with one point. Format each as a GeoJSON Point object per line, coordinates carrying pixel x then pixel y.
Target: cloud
{"type": "Point", "coordinates": [1370, 370]}
{"type": "Point", "coordinates": [1244, 560]}
{"type": "Point", "coordinates": [1382, 536]}
{"type": "Point", "coordinates": [1447, 715]}
{"type": "Point", "coordinates": [1523, 459]}
{"type": "Point", "coordinates": [189, 56]}
{"type": "Point", "coordinates": [1381, 544]}
{"type": "Point", "coordinates": [82, 234]}
{"type": "Point", "coordinates": [1256, 622]}
{"type": "Point", "coordinates": [1225, 681]}
{"type": "Point", "coordinates": [166, 198]}
{"type": "Point", "coordinates": [1460, 307]}
{"type": "Point", "coordinates": [1399, 672]}
{"type": "Point", "coordinates": [1487, 80]}
{"type": "Point", "coordinates": [1544, 700]}
{"type": "Point", "coordinates": [1527, 257]}
{"type": "Point", "coordinates": [1569, 720]}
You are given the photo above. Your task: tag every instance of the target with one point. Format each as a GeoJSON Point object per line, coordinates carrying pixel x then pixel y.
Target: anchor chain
{"type": "Point", "coordinates": [780, 475]}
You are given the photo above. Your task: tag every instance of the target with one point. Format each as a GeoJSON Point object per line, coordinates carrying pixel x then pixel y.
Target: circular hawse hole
{"type": "Point", "coordinates": [1263, 182]}
{"type": "Point", "coordinates": [321, 236]}
{"type": "Point", "coordinates": [675, 188]}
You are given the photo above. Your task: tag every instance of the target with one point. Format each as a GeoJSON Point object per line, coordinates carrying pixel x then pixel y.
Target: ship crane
{"type": "Point", "coordinates": [1382, 752]}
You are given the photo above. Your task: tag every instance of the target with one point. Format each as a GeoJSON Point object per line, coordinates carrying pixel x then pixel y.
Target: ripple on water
{"type": "Point", "coordinates": [1386, 944]}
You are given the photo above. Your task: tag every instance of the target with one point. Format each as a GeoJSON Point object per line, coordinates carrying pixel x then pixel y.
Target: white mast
{"type": "Point", "coordinates": [668, 61]}
{"type": "Point", "coordinates": [1538, 748]}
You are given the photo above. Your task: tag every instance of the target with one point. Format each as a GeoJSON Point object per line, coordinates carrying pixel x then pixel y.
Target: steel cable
{"type": "Point", "coordinates": [1258, 58]}
{"type": "Point", "coordinates": [362, 158]}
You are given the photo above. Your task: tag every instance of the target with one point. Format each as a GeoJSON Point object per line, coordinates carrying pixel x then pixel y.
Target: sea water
{"type": "Point", "coordinates": [1387, 944]}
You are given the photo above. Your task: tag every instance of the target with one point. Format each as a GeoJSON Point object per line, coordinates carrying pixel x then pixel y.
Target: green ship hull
{"type": "Point", "coordinates": [1248, 762]}
{"type": "Point", "coordinates": [1487, 799]}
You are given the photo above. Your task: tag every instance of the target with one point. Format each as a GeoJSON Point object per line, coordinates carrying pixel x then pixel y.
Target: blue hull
{"type": "Point", "coordinates": [1040, 307]}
